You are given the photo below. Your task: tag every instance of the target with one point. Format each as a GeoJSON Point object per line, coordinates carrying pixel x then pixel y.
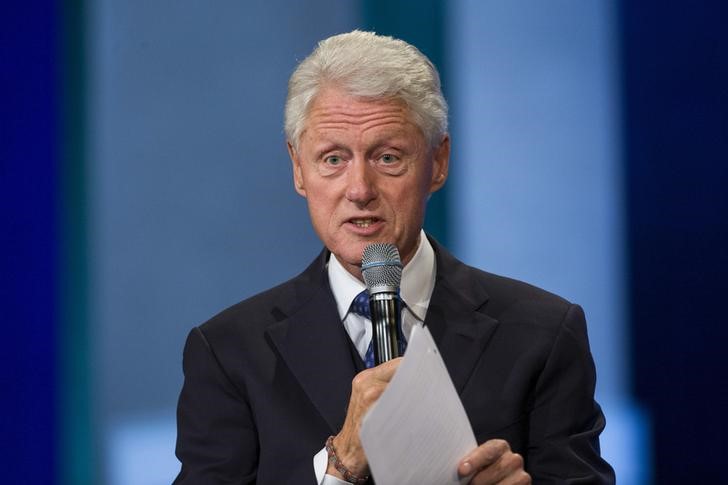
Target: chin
{"type": "Point", "coordinates": [350, 253]}
{"type": "Point", "coordinates": [354, 253]}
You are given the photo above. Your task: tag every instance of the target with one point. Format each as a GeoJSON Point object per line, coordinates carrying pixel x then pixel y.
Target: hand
{"type": "Point", "coordinates": [366, 388]}
{"type": "Point", "coordinates": [494, 462]}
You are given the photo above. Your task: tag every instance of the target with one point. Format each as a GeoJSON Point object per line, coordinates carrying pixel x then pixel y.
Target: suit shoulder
{"type": "Point", "coordinates": [502, 288]}
{"type": "Point", "coordinates": [507, 289]}
{"type": "Point", "coordinates": [513, 300]}
{"type": "Point", "coordinates": [254, 314]}
{"type": "Point", "coordinates": [256, 308]}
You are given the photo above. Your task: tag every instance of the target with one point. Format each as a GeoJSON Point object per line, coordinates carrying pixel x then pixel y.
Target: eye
{"type": "Point", "coordinates": [329, 165]}
{"type": "Point", "coordinates": [391, 164]}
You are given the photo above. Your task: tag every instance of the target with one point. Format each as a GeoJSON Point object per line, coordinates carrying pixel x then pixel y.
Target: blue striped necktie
{"type": "Point", "coordinates": [360, 306]}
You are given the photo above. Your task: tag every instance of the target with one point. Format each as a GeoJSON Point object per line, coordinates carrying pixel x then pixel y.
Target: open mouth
{"type": "Point", "coordinates": [364, 222]}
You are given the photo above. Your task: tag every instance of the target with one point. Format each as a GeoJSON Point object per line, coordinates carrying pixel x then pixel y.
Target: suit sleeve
{"type": "Point", "coordinates": [566, 421]}
{"type": "Point", "coordinates": [217, 440]}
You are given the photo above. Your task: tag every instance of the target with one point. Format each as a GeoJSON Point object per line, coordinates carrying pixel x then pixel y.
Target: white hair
{"type": "Point", "coordinates": [369, 66]}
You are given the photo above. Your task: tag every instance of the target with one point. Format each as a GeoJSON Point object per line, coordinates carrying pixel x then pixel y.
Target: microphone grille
{"type": "Point", "coordinates": [381, 268]}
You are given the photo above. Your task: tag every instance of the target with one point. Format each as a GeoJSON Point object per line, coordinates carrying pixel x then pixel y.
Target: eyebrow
{"type": "Point", "coordinates": [395, 143]}
{"type": "Point", "coordinates": [328, 146]}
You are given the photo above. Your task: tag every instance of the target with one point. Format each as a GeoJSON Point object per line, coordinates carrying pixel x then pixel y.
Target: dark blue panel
{"type": "Point", "coordinates": [676, 118]}
{"type": "Point", "coordinates": [28, 159]}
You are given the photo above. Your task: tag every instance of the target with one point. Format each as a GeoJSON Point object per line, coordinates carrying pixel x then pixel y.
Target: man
{"type": "Point", "coordinates": [276, 386]}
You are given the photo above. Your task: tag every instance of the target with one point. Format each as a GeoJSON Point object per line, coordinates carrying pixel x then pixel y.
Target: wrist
{"type": "Point", "coordinates": [343, 466]}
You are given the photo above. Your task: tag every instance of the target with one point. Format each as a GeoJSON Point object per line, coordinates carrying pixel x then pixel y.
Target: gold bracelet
{"type": "Point", "coordinates": [334, 460]}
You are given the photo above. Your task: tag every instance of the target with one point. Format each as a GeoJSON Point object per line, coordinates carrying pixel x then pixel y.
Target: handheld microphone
{"type": "Point", "coordinates": [382, 271]}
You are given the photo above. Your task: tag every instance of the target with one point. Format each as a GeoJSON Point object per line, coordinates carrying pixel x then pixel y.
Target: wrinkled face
{"type": "Point", "coordinates": [366, 171]}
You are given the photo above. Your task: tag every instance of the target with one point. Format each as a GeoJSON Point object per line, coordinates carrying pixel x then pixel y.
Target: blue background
{"type": "Point", "coordinates": [145, 186]}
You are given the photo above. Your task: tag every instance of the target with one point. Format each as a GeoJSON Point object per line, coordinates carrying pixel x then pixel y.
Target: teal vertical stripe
{"type": "Point", "coordinates": [76, 450]}
{"type": "Point", "coordinates": [422, 24]}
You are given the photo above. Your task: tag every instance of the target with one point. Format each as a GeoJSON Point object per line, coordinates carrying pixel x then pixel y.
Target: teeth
{"type": "Point", "coordinates": [362, 222]}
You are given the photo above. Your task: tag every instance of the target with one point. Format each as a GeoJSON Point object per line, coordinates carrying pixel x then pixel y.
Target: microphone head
{"type": "Point", "coordinates": [381, 268]}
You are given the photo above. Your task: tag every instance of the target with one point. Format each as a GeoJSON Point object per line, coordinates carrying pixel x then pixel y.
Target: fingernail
{"type": "Point", "coordinates": [466, 468]}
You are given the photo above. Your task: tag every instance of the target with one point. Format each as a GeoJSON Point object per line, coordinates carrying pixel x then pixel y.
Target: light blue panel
{"type": "Point", "coordinates": [626, 443]}
{"type": "Point", "coordinates": [191, 200]}
{"type": "Point", "coordinates": [536, 179]}
{"type": "Point", "coordinates": [536, 168]}
{"type": "Point", "coordinates": [139, 451]}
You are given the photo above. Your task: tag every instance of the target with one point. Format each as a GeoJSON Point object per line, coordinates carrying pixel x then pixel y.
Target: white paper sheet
{"type": "Point", "coordinates": [417, 432]}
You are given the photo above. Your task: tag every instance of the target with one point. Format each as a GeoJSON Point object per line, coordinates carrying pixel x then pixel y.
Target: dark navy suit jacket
{"type": "Point", "coordinates": [268, 380]}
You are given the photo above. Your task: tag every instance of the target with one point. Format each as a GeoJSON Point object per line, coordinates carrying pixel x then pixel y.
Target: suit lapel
{"type": "Point", "coordinates": [454, 317]}
{"type": "Point", "coordinates": [315, 347]}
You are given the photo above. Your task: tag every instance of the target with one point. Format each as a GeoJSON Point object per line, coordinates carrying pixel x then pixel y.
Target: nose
{"type": "Point", "coordinates": [360, 187]}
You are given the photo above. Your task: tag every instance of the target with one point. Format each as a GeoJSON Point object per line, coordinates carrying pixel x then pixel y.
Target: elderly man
{"type": "Point", "coordinates": [271, 380]}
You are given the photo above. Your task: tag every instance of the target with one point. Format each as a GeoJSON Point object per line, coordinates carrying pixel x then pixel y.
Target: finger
{"type": "Point", "coordinates": [378, 375]}
{"type": "Point", "coordinates": [517, 478]}
{"type": "Point", "coordinates": [385, 371]}
{"type": "Point", "coordinates": [372, 392]}
{"type": "Point", "coordinates": [369, 384]}
{"type": "Point", "coordinates": [508, 469]}
{"type": "Point", "coordinates": [483, 456]}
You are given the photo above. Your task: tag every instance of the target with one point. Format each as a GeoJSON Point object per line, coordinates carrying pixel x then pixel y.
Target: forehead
{"type": "Point", "coordinates": [334, 111]}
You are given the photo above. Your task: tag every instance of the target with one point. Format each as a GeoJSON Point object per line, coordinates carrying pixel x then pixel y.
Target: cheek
{"type": "Point", "coordinates": [408, 210]}
{"type": "Point", "coordinates": [320, 208]}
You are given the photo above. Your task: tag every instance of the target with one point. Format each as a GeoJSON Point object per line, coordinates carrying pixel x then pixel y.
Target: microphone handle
{"type": "Point", "coordinates": [385, 312]}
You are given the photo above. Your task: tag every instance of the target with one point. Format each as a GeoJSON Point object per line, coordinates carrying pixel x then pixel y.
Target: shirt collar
{"type": "Point", "coordinates": [418, 281]}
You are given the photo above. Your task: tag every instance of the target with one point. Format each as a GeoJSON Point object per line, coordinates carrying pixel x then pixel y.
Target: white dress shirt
{"type": "Point", "coordinates": [415, 291]}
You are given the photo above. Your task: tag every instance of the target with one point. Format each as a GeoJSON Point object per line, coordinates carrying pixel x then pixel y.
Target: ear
{"type": "Point", "coordinates": [297, 173]}
{"type": "Point", "coordinates": [440, 164]}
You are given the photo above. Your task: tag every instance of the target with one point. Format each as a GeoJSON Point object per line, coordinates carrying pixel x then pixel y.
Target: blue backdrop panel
{"type": "Point", "coordinates": [191, 195]}
{"type": "Point", "coordinates": [537, 157]}
{"type": "Point", "coordinates": [537, 176]}
{"type": "Point", "coordinates": [28, 175]}
{"type": "Point", "coordinates": [676, 117]}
